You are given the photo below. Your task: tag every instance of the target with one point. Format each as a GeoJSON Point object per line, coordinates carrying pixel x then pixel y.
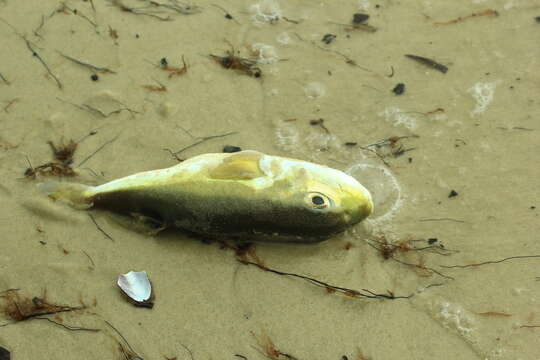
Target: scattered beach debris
{"type": "Point", "coordinates": [4, 354]}
{"type": "Point", "coordinates": [399, 89]}
{"type": "Point", "coordinates": [137, 287]}
{"type": "Point", "coordinates": [537, 19]}
{"type": "Point", "coordinates": [347, 59]}
{"type": "Point", "coordinates": [94, 77]}
{"type": "Point", "coordinates": [61, 164]}
{"type": "Point", "coordinates": [359, 18]}
{"type": "Point", "coordinates": [486, 12]}
{"type": "Point", "coordinates": [228, 15]}
{"type": "Point", "coordinates": [19, 308]}
{"type": "Point", "coordinates": [173, 70]}
{"type": "Point", "coordinates": [391, 146]}
{"type": "Point", "coordinates": [428, 62]}
{"type": "Point", "coordinates": [328, 38]}
{"type": "Point", "coordinates": [234, 62]}
{"type": "Point", "coordinates": [320, 123]}
{"type": "Point", "coordinates": [231, 149]}
{"type": "Point", "coordinates": [388, 250]}
{"type": "Point", "coordinates": [359, 22]}
{"type": "Point", "coordinates": [453, 193]}
{"type": "Point", "coordinates": [268, 348]}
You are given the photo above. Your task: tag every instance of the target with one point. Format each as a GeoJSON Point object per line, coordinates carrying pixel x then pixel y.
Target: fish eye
{"type": "Point", "coordinates": [318, 201]}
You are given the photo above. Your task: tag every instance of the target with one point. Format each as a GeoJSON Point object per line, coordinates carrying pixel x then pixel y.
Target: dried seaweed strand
{"type": "Point", "coordinates": [98, 149]}
{"type": "Point", "coordinates": [71, 328]}
{"type": "Point", "coordinates": [99, 228]}
{"type": "Point", "coordinates": [422, 267]}
{"type": "Point", "coordinates": [206, 138]}
{"type": "Point", "coordinates": [90, 66]}
{"type": "Point", "coordinates": [443, 219]}
{"type": "Point", "coordinates": [345, 291]}
{"type": "Point", "coordinates": [137, 11]}
{"type": "Point", "coordinates": [491, 261]}
{"type": "Point", "coordinates": [34, 53]}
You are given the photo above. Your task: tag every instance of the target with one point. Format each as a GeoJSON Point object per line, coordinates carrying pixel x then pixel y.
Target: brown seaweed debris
{"type": "Point", "coordinates": [268, 348]}
{"type": "Point", "coordinates": [61, 164]}
{"type": "Point", "coordinates": [173, 70]}
{"type": "Point", "coordinates": [232, 61]}
{"type": "Point", "coordinates": [486, 12]}
{"type": "Point", "coordinates": [19, 308]}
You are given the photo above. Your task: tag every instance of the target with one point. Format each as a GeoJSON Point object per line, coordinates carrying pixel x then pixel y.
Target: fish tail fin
{"type": "Point", "coordinates": [76, 195]}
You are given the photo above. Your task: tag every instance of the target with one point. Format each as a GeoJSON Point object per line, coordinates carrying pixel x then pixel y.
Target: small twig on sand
{"type": "Point", "coordinates": [200, 141]}
{"type": "Point", "coordinates": [99, 228]}
{"type": "Point", "coordinates": [443, 219]}
{"type": "Point", "coordinates": [98, 149]}
{"type": "Point", "coordinates": [89, 66]}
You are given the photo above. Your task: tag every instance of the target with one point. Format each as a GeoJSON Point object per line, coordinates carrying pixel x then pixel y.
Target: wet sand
{"type": "Point", "coordinates": [472, 130]}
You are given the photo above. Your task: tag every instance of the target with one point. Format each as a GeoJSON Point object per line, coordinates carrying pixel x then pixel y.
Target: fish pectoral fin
{"type": "Point", "coordinates": [239, 166]}
{"type": "Point", "coordinates": [147, 224]}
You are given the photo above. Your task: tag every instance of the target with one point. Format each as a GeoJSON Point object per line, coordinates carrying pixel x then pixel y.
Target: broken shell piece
{"type": "Point", "coordinates": [137, 287]}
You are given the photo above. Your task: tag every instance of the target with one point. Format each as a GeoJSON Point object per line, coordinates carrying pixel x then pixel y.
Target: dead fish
{"type": "Point", "coordinates": [245, 194]}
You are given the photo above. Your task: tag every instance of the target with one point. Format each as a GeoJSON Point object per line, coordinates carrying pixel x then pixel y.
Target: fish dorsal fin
{"type": "Point", "coordinates": [243, 165]}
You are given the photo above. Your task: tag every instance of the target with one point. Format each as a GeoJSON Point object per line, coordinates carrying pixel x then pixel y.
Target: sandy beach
{"type": "Point", "coordinates": [446, 268]}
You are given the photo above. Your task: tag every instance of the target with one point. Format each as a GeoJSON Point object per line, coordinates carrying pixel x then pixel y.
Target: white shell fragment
{"type": "Point", "coordinates": [136, 286]}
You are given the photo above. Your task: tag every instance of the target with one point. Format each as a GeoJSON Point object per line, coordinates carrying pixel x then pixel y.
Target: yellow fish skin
{"type": "Point", "coordinates": [245, 194]}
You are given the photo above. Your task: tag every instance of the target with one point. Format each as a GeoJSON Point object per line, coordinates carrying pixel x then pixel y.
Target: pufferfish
{"type": "Point", "coordinates": [242, 195]}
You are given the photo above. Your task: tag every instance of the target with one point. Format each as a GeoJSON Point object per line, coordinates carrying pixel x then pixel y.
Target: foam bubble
{"type": "Point", "coordinates": [283, 38]}
{"type": "Point", "coordinates": [483, 93]}
{"type": "Point", "coordinates": [266, 53]}
{"type": "Point", "coordinates": [394, 115]}
{"type": "Point", "coordinates": [384, 188]}
{"type": "Point", "coordinates": [315, 90]}
{"type": "Point", "coordinates": [266, 11]}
